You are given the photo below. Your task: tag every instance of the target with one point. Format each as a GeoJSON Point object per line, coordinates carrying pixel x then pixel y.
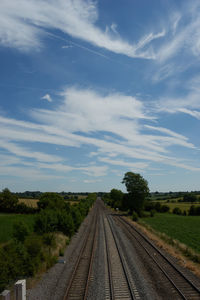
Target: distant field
{"type": "Point", "coordinates": [7, 221]}
{"type": "Point", "coordinates": [184, 229]}
{"type": "Point", "coordinates": [182, 205]}
{"type": "Point", "coordinates": [29, 202]}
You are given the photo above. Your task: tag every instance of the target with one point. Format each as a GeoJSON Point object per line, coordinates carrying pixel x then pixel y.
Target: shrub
{"type": "Point", "coordinates": [177, 211]}
{"type": "Point", "coordinates": [51, 201]}
{"type": "Point", "coordinates": [65, 223]}
{"type": "Point", "coordinates": [164, 208]}
{"type": "Point", "coordinates": [134, 216]}
{"type": "Point", "coordinates": [8, 201]}
{"type": "Point", "coordinates": [152, 212]}
{"type": "Point", "coordinates": [46, 221]}
{"type": "Point", "coordinates": [194, 210]}
{"type": "Point", "coordinates": [20, 231]}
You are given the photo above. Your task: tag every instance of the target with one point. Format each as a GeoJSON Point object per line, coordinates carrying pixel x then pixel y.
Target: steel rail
{"type": "Point", "coordinates": [123, 221]}
{"type": "Point", "coordinates": [109, 265]}
{"type": "Point", "coordinates": [73, 276]}
{"type": "Point", "coordinates": [122, 263]}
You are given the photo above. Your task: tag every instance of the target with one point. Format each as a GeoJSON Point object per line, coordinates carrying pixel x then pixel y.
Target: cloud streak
{"type": "Point", "coordinates": [23, 23]}
{"type": "Point", "coordinates": [119, 129]}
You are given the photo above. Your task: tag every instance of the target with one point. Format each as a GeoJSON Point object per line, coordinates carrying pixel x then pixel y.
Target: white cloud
{"type": "Point", "coordinates": [23, 22]}
{"type": "Point", "coordinates": [84, 118]}
{"type": "Point", "coordinates": [67, 46]}
{"type": "Point", "coordinates": [187, 104]}
{"type": "Point", "coordinates": [130, 165]}
{"type": "Point", "coordinates": [91, 181]}
{"type": "Point", "coordinates": [24, 152]}
{"type": "Point", "coordinates": [183, 33]}
{"type": "Point", "coordinates": [47, 97]}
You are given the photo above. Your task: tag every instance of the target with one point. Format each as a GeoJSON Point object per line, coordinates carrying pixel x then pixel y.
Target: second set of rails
{"type": "Point", "coordinates": [119, 282]}
{"type": "Point", "coordinates": [185, 287]}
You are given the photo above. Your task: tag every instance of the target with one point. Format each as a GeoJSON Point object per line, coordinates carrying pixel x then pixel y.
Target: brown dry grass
{"type": "Point", "coordinates": [29, 202]}
{"type": "Point", "coordinates": [176, 250]}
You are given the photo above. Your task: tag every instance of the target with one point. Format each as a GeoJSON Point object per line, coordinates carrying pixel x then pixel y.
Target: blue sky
{"type": "Point", "coordinates": [92, 89]}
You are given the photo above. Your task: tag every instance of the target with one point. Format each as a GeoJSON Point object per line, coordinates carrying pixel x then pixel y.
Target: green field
{"type": "Point", "coordinates": [184, 229]}
{"type": "Point", "coordinates": [7, 221]}
{"type": "Point", "coordinates": [182, 205]}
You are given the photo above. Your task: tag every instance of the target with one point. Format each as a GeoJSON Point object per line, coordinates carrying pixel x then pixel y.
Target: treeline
{"type": "Point", "coordinates": [9, 203]}
{"type": "Point", "coordinates": [37, 194]}
{"type": "Point", "coordinates": [184, 196]}
{"type": "Point", "coordinates": [124, 202]}
{"type": "Point", "coordinates": [28, 252]}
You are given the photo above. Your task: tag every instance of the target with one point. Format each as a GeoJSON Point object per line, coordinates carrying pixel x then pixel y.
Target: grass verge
{"type": "Point", "coordinates": [186, 256]}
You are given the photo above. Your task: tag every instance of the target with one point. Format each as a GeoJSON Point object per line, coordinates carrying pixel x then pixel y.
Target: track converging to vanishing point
{"type": "Point", "coordinates": [111, 243]}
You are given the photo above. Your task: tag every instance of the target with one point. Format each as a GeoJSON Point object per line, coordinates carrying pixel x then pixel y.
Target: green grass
{"type": "Point", "coordinates": [184, 229]}
{"type": "Point", "coordinates": [182, 205]}
{"type": "Point", "coordinates": [6, 224]}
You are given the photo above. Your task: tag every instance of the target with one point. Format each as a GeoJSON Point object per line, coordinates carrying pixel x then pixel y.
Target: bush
{"type": "Point", "coordinates": [134, 216]}
{"type": "Point", "coordinates": [65, 223]}
{"type": "Point", "coordinates": [177, 211]}
{"type": "Point", "coordinates": [189, 197]}
{"type": "Point", "coordinates": [14, 252]}
{"type": "Point", "coordinates": [194, 211]}
{"type": "Point", "coordinates": [51, 201]}
{"type": "Point", "coordinates": [20, 231]}
{"type": "Point", "coordinates": [164, 208]}
{"type": "Point", "coordinates": [8, 201]}
{"type": "Point", "coordinates": [152, 212]}
{"type": "Point", "coordinates": [46, 221]}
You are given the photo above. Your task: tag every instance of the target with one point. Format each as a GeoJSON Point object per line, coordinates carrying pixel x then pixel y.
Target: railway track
{"type": "Point", "coordinates": [78, 286]}
{"type": "Point", "coordinates": [119, 282]}
{"type": "Point", "coordinates": [182, 284]}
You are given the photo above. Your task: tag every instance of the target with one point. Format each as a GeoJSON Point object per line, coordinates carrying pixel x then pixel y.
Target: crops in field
{"type": "Point", "coordinates": [182, 205]}
{"type": "Point", "coordinates": [29, 202]}
{"type": "Point", "coordinates": [185, 229]}
{"type": "Point", "coordinates": [7, 221]}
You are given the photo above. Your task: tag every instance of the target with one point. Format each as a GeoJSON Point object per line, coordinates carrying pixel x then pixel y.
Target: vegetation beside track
{"type": "Point", "coordinates": [185, 229]}
{"type": "Point", "coordinates": [7, 222]}
{"type": "Point", "coordinates": [32, 243]}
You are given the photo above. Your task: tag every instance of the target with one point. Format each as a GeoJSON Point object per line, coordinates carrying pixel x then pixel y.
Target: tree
{"type": "Point", "coordinates": [8, 201]}
{"type": "Point", "coordinates": [51, 201]}
{"type": "Point", "coordinates": [137, 188]}
{"type": "Point", "coordinates": [116, 197]}
{"type": "Point", "coordinates": [20, 231]}
{"type": "Point", "coordinates": [189, 197]}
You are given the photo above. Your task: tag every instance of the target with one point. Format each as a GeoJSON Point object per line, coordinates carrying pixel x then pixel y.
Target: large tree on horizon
{"type": "Point", "coordinates": [138, 190]}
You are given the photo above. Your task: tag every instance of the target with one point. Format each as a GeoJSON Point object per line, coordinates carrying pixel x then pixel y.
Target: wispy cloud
{"type": "Point", "coordinates": [182, 33]}
{"type": "Point", "coordinates": [22, 23]}
{"type": "Point", "coordinates": [119, 133]}
{"type": "Point", "coordinates": [47, 97]}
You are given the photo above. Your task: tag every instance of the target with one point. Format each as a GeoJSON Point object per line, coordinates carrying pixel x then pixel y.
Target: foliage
{"type": "Point", "coordinates": [137, 188]}
{"type": "Point", "coordinates": [177, 211]}
{"type": "Point", "coordinates": [190, 197]}
{"type": "Point", "coordinates": [194, 210]}
{"type": "Point", "coordinates": [116, 197]}
{"type": "Point", "coordinates": [23, 256]}
{"type": "Point", "coordinates": [20, 231]}
{"type": "Point", "coordinates": [7, 222]}
{"type": "Point", "coordinates": [156, 206]}
{"type": "Point", "coordinates": [8, 201]}
{"type": "Point", "coordinates": [152, 212]}
{"type": "Point", "coordinates": [134, 216]}
{"type": "Point", "coordinates": [185, 229]}
{"type": "Point", "coordinates": [51, 201]}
